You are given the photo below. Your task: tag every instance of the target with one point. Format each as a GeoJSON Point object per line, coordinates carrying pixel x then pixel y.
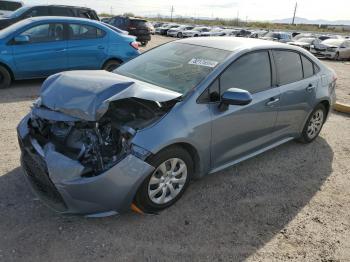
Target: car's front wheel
{"type": "Point", "coordinates": [168, 182]}
{"type": "Point", "coordinates": [111, 65]}
{"type": "Point", "coordinates": [5, 78]}
{"type": "Point", "coordinates": [314, 124]}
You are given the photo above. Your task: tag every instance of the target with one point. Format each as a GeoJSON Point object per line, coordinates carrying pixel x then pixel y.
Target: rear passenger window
{"type": "Point", "coordinates": [308, 67]}
{"type": "Point", "coordinates": [251, 72]}
{"type": "Point", "coordinates": [289, 67]}
{"type": "Point", "coordinates": [81, 32]}
{"type": "Point", "coordinates": [59, 11]}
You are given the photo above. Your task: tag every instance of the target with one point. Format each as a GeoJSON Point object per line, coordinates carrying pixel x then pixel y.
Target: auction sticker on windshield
{"type": "Point", "coordinates": [203, 62]}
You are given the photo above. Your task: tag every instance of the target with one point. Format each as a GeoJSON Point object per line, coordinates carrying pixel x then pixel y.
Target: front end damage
{"type": "Point", "coordinates": [84, 162]}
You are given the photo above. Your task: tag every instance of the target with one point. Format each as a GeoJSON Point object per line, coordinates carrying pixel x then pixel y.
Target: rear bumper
{"type": "Point", "coordinates": [58, 180]}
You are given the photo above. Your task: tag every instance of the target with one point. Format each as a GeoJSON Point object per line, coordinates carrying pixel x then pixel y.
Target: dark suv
{"type": "Point", "coordinates": [135, 26]}
{"type": "Point", "coordinates": [47, 10]}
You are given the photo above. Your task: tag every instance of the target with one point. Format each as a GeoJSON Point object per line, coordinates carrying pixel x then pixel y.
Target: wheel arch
{"type": "Point", "coordinates": [114, 58]}
{"type": "Point", "coordinates": [193, 153]}
{"type": "Point", "coordinates": [8, 69]}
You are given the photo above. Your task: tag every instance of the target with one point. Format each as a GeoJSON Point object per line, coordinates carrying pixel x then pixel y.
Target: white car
{"type": "Point", "coordinates": [197, 31]}
{"type": "Point", "coordinates": [337, 49]}
{"type": "Point", "coordinates": [217, 31]}
{"type": "Point", "coordinates": [178, 32]}
{"type": "Point", "coordinates": [9, 6]}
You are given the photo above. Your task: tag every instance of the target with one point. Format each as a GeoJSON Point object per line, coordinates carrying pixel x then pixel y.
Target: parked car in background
{"type": "Point", "coordinates": [178, 31]}
{"type": "Point", "coordinates": [140, 135]}
{"type": "Point", "coordinates": [337, 49]}
{"type": "Point", "coordinates": [277, 36]}
{"type": "Point", "coordinates": [304, 35]}
{"type": "Point", "coordinates": [106, 19]}
{"type": "Point", "coordinates": [244, 33]}
{"type": "Point", "coordinates": [42, 46]}
{"type": "Point", "coordinates": [163, 30]}
{"type": "Point", "coordinates": [151, 28]}
{"type": "Point", "coordinates": [307, 42]}
{"type": "Point", "coordinates": [216, 31]}
{"type": "Point", "coordinates": [48, 10]}
{"type": "Point", "coordinates": [7, 7]}
{"type": "Point", "coordinates": [135, 26]}
{"type": "Point", "coordinates": [196, 31]}
{"type": "Point", "coordinates": [158, 24]}
{"type": "Point", "coordinates": [258, 34]}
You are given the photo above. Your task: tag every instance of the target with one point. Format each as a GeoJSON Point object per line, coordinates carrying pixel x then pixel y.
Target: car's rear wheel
{"type": "Point", "coordinates": [168, 182]}
{"type": "Point", "coordinates": [179, 35]}
{"type": "Point", "coordinates": [314, 124]}
{"type": "Point", "coordinates": [337, 57]}
{"type": "Point", "coordinates": [5, 78]}
{"type": "Point", "coordinates": [111, 65]}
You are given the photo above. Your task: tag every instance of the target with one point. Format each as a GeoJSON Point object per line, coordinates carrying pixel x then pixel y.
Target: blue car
{"type": "Point", "coordinates": [42, 46]}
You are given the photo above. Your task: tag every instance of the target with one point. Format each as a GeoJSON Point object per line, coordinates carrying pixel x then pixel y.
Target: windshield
{"type": "Point", "coordinates": [19, 12]}
{"type": "Point", "coordinates": [335, 42]}
{"type": "Point", "coordinates": [175, 66]}
{"type": "Point", "coordinates": [9, 5]}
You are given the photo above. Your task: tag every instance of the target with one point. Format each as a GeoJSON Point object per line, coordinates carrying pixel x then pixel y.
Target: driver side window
{"type": "Point", "coordinates": [45, 33]}
{"type": "Point", "coordinates": [251, 72]}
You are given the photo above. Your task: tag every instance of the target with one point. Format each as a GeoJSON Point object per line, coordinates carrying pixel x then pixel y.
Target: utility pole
{"type": "Point", "coordinates": [238, 18]}
{"type": "Point", "coordinates": [295, 11]}
{"type": "Point", "coordinates": [171, 11]}
{"type": "Point", "coordinates": [112, 10]}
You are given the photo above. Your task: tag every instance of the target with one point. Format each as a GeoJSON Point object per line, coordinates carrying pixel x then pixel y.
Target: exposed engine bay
{"type": "Point", "coordinates": [100, 145]}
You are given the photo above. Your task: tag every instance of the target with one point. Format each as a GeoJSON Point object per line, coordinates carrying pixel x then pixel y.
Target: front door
{"type": "Point", "coordinates": [241, 130]}
{"type": "Point", "coordinates": [44, 54]}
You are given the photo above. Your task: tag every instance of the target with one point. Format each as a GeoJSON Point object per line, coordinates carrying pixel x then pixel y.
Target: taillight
{"type": "Point", "coordinates": [135, 45]}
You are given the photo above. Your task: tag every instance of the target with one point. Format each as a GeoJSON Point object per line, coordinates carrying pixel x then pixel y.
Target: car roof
{"type": "Point", "coordinates": [63, 19]}
{"type": "Point", "coordinates": [64, 6]}
{"type": "Point", "coordinates": [233, 43]}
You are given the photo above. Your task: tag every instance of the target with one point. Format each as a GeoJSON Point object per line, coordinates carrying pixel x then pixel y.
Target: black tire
{"type": "Point", "coordinates": [305, 136]}
{"type": "Point", "coordinates": [142, 198]}
{"type": "Point", "coordinates": [111, 65]}
{"type": "Point", "coordinates": [336, 57]}
{"type": "Point", "coordinates": [5, 78]}
{"type": "Point", "coordinates": [195, 36]}
{"type": "Point", "coordinates": [179, 35]}
{"type": "Point", "coordinates": [144, 43]}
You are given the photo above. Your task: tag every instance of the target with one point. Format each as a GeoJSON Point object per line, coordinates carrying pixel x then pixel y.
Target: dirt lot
{"type": "Point", "coordinates": [291, 203]}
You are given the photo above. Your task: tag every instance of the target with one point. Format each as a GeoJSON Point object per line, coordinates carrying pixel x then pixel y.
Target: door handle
{"type": "Point", "coordinates": [273, 100]}
{"type": "Point", "coordinates": [310, 87]}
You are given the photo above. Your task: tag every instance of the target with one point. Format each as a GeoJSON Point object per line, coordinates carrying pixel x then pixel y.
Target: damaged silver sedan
{"type": "Point", "coordinates": [96, 142]}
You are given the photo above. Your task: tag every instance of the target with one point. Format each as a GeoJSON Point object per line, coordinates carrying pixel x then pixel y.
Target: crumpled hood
{"type": "Point", "coordinates": [86, 94]}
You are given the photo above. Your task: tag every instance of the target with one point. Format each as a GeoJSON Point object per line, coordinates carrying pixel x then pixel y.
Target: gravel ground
{"type": "Point", "coordinates": [289, 204]}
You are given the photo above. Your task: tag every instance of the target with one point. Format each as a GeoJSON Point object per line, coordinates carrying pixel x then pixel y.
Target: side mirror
{"type": "Point", "coordinates": [22, 39]}
{"type": "Point", "coordinates": [235, 96]}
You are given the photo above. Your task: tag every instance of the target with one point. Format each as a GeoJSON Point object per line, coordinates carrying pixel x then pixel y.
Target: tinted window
{"type": "Point", "coordinates": [251, 72]}
{"type": "Point", "coordinates": [37, 11]}
{"type": "Point", "coordinates": [45, 33]}
{"type": "Point", "coordinates": [59, 11]}
{"type": "Point", "coordinates": [79, 32]}
{"type": "Point", "coordinates": [308, 67]}
{"type": "Point", "coordinates": [289, 67]}
{"type": "Point", "coordinates": [9, 6]}
{"type": "Point", "coordinates": [138, 23]}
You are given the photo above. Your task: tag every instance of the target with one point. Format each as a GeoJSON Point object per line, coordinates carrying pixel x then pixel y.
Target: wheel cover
{"type": "Point", "coordinates": [167, 181]}
{"type": "Point", "coordinates": [315, 124]}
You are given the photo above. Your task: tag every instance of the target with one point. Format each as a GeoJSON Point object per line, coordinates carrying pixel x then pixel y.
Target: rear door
{"type": "Point", "coordinates": [87, 46]}
{"type": "Point", "coordinates": [298, 81]}
{"type": "Point", "coordinates": [45, 54]}
{"type": "Point", "coordinates": [242, 130]}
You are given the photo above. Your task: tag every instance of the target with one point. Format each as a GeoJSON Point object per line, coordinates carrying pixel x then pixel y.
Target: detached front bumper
{"type": "Point", "coordinates": [58, 180]}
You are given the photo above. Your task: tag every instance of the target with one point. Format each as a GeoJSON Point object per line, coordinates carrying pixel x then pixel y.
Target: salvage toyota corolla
{"type": "Point", "coordinates": [96, 143]}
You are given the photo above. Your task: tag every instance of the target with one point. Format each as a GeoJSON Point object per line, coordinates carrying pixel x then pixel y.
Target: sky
{"type": "Point", "coordinates": [246, 9]}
